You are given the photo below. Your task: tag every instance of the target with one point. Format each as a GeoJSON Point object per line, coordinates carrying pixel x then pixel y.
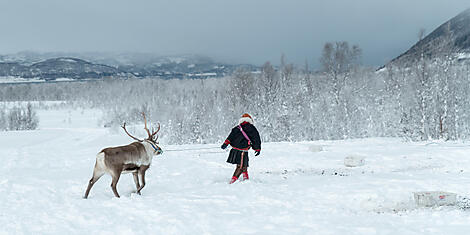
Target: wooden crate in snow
{"type": "Point", "coordinates": [435, 198]}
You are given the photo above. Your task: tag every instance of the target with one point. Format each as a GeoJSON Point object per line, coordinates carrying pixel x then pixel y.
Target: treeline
{"type": "Point", "coordinates": [290, 103]}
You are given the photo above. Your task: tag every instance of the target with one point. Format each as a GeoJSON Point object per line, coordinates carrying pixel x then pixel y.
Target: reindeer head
{"type": "Point", "coordinates": [152, 137]}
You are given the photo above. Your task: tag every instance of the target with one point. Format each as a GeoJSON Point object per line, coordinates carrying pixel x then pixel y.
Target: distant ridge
{"type": "Point", "coordinates": [452, 36]}
{"type": "Point", "coordinates": [62, 67]}
{"type": "Point", "coordinates": [44, 66]}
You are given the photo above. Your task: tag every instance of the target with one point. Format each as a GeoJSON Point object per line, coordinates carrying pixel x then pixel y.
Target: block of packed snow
{"type": "Point", "coordinates": [315, 148]}
{"type": "Point", "coordinates": [435, 198]}
{"type": "Point", "coordinates": [354, 161]}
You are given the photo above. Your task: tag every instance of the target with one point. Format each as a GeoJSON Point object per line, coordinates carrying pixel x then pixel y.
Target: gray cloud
{"type": "Point", "coordinates": [251, 31]}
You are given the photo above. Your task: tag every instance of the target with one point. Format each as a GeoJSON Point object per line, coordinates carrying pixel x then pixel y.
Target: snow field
{"type": "Point", "coordinates": [293, 189]}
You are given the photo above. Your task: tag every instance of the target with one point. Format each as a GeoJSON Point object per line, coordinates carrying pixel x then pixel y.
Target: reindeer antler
{"type": "Point", "coordinates": [151, 135]}
{"type": "Point", "coordinates": [124, 127]}
{"type": "Point", "coordinates": [155, 132]}
{"type": "Point", "coordinates": [145, 127]}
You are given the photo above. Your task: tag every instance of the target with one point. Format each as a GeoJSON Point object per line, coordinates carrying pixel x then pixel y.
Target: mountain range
{"type": "Point", "coordinates": [52, 66]}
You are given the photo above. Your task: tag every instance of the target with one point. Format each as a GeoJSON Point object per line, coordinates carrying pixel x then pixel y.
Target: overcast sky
{"type": "Point", "coordinates": [241, 31]}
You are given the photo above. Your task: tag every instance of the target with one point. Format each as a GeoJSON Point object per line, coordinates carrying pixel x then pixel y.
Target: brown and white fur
{"type": "Point", "coordinates": [133, 158]}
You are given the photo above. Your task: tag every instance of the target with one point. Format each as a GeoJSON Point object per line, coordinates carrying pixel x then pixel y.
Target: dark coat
{"type": "Point", "coordinates": [239, 142]}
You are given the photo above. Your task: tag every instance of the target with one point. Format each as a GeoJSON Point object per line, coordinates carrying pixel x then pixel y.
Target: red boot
{"type": "Point", "coordinates": [233, 180]}
{"type": "Point", "coordinates": [245, 175]}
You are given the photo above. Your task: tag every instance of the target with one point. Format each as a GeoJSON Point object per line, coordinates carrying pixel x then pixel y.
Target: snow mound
{"type": "Point", "coordinates": [354, 160]}
{"type": "Point", "coordinates": [388, 204]}
{"type": "Point", "coordinates": [315, 148]}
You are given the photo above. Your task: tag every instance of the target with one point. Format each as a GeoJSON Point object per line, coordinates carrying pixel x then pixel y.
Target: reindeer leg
{"type": "Point", "coordinates": [142, 177]}
{"type": "Point", "coordinates": [115, 174]}
{"type": "Point", "coordinates": [136, 181]}
{"type": "Point", "coordinates": [96, 176]}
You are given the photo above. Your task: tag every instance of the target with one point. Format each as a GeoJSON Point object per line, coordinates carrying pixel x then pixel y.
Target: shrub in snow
{"type": "Point", "coordinates": [3, 120]}
{"type": "Point", "coordinates": [435, 198]}
{"type": "Point", "coordinates": [354, 160]}
{"type": "Point", "coordinates": [20, 118]}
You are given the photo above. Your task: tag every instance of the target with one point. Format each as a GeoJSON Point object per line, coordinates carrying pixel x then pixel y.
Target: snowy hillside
{"type": "Point", "coordinates": [295, 189]}
{"type": "Point", "coordinates": [452, 37]}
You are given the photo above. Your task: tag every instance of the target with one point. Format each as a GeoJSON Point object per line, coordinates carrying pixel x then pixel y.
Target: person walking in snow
{"type": "Point", "coordinates": [242, 137]}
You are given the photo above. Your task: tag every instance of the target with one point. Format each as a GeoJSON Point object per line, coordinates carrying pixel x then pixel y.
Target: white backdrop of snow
{"type": "Point", "coordinates": [292, 190]}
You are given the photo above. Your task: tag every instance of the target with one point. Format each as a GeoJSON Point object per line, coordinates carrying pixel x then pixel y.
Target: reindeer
{"type": "Point", "coordinates": [135, 157]}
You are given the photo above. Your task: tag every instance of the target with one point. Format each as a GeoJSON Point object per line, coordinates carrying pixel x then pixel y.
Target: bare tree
{"type": "Point", "coordinates": [269, 81]}
{"type": "Point", "coordinates": [423, 89]}
{"type": "Point", "coordinates": [338, 60]}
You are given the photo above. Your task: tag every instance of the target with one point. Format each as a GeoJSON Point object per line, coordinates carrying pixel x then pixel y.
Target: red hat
{"type": "Point", "coordinates": [246, 118]}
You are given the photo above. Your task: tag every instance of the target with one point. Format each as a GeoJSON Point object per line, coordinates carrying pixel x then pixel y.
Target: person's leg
{"type": "Point", "coordinates": [245, 173]}
{"type": "Point", "coordinates": [238, 171]}
{"type": "Point", "coordinates": [236, 174]}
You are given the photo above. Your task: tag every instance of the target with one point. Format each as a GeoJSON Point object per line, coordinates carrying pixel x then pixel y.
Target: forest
{"type": "Point", "coordinates": [422, 100]}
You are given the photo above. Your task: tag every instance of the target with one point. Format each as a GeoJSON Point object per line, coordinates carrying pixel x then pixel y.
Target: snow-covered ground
{"type": "Point", "coordinates": [11, 79]}
{"type": "Point", "coordinates": [293, 188]}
